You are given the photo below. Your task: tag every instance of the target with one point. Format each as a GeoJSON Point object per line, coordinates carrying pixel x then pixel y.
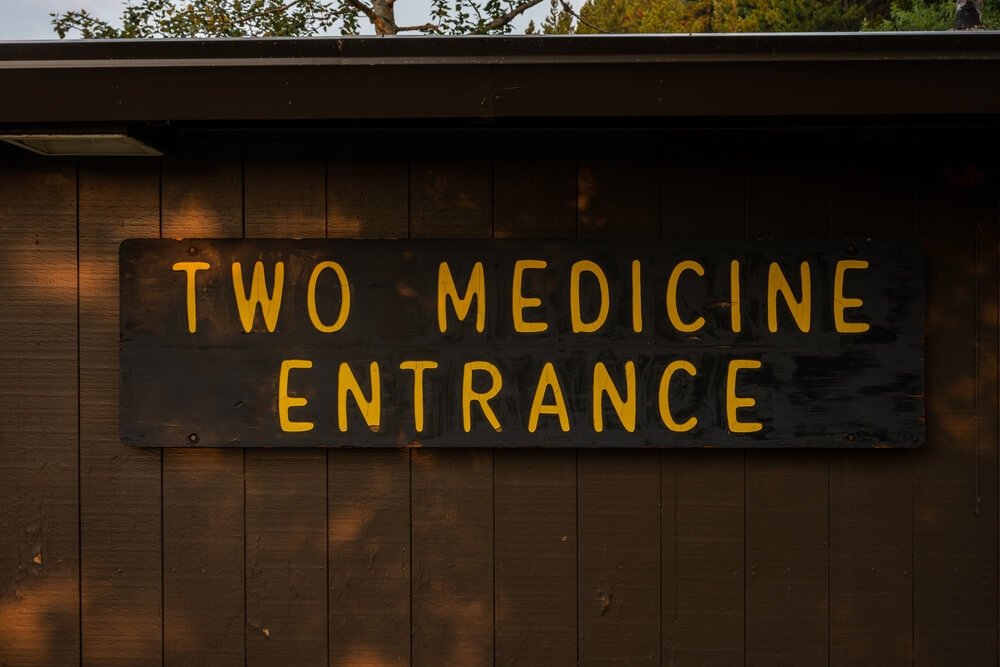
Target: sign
{"type": "Point", "coordinates": [489, 343]}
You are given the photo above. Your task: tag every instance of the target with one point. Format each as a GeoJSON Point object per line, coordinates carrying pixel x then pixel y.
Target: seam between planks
{"type": "Point", "coordinates": [243, 234]}
{"type": "Point", "coordinates": [79, 431]}
{"type": "Point", "coordinates": [829, 473]}
{"type": "Point", "coordinates": [913, 477]}
{"type": "Point", "coordinates": [746, 467]}
{"type": "Point", "coordinates": [163, 615]}
{"type": "Point", "coordinates": [493, 452]}
{"type": "Point", "coordinates": [326, 452]}
{"type": "Point", "coordinates": [662, 453]}
{"type": "Point", "coordinates": [576, 235]}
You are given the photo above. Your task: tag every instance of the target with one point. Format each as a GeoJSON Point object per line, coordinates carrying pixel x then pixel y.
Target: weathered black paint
{"type": "Point", "coordinates": [219, 386]}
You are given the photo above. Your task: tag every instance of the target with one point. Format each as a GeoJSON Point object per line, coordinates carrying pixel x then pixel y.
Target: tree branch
{"type": "Point", "coordinates": [569, 9]}
{"type": "Point", "coordinates": [245, 21]}
{"type": "Point", "coordinates": [272, 10]}
{"type": "Point", "coordinates": [479, 14]}
{"type": "Point", "coordinates": [501, 21]}
{"type": "Point", "coordinates": [364, 9]}
{"type": "Point", "coordinates": [425, 27]}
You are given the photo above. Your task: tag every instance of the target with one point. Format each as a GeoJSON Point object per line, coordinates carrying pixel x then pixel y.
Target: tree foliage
{"type": "Point", "coordinates": [270, 18]}
{"type": "Point", "coordinates": [284, 18]}
{"type": "Point", "coordinates": [928, 15]}
{"type": "Point", "coordinates": [697, 16]}
{"type": "Point", "coordinates": [915, 15]}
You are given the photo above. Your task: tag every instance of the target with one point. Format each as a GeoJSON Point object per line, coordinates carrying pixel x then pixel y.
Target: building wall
{"type": "Point", "coordinates": [111, 555]}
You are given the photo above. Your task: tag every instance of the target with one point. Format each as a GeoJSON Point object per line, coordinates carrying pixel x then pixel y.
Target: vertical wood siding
{"type": "Point", "coordinates": [535, 501]}
{"type": "Point", "coordinates": [111, 555]}
{"type": "Point", "coordinates": [287, 588]}
{"type": "Point", "coordinates": [618, 492]}
{"type": "Point", "coordinates": [369, 491]}
{"type": "Point", "coordinates": [121, 529]}
{"type": "Point", "coordinates": [871, 493]}
{"type": "Point", "coordinates": [39, 427]}
{"type": "Point", "coordinates": [788, 497]}
{"type": "Point", "coordinates": [452, 490]}
{"type": "Point", "coordinates": [704, 492]}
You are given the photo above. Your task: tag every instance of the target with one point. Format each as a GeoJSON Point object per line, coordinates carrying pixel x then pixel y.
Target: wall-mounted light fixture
{"type": "Point", "coordinates": [80, 145]}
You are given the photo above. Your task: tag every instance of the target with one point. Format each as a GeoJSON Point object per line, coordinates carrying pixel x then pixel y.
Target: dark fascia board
{"type": "Point", "coordinates": [501, 78]}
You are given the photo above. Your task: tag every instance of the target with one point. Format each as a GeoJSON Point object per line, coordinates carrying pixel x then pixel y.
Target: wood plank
{"type": "Point", "coordinates": [287, 587]}
{"type": "Point", "coordinates": [618, 193]}
{"type": "Point", "coordinates": [369, 491]}
{"type": "Point", "coordinates": [367, 192]}
{"type": "Point", "coordinates": [619, 534]}
{"type": "Point", "coordinates": [703, 491]}
{"type": "Point", "coordinates": [286, 557]}
{"type": "Point", "coordinates": [787, 505]}
{"type": "Point", "coordinates": [452, 490]}
{"type": "Point", "coordinates": [120, 492]}
{"type": "Point", "coordinates": [702, 557]}
{"type": "Point", "coordinates": [955, 481]}
{"type": "Point", "coordinates": [450, 194]}
{"type": "Point", "coordinates": [39, 465]}
{"type": "Point", "coordinates": [535, 494]}
{"type": "Point", "coordinates": [452, 505]}
{"type": "Point", "coordinates": [787, 552]}
{"type": "Point", "coordinates": [703, 199]}
{"type": "Point", "coordinates": [203, 547]}
{"type": "Point", "coordinates": [619, 515]}
{"type": "Point", "coordinates": [536, 561]}
{"type": "Point", "coordinates": [988, 379]}
{"type": "Point", "coordinates": [535, 197]}
{"type": "Point", "coordinates": [369, 532]}
{"type": "Point", "coordinates": [871, 492]}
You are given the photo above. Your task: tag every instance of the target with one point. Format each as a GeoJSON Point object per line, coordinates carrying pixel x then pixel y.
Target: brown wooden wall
{"type": "Point", "coordinates": [117, 556]}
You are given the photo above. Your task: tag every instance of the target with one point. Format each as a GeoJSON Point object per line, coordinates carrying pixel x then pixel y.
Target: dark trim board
{"type": "Point", "coordinates": [476, 79]}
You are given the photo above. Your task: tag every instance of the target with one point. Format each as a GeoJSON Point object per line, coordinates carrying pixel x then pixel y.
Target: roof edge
{"type": "Point", "coordinates": [420, 49]}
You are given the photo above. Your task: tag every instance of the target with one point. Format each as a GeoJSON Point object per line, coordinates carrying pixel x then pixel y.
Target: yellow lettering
{"type": "Point", "coordinates": [665, 413]}
{"type": "Point", "coordinates": [579, 268]}
{"type": "Point", "coordinates": [345, 297]}
{"type": "Point", "coordinates": [285, 401]}
{"type": "Point", "coordinates": [734, 402]}
{"type": "Point", "coordinates": [672, 312]}
{"type": "Point", "coordinates": [191, 268]}
{"type": "Point", "coordinates": [734, 296]}
{"type": "Point", "coordinates": [841, 302]}
{"type": "Point", "coordinates": [546, 381]}
{"type": "Point", "coordinates": [462, 305]}
{"type": "Point", "coordinates": [625, 409]}
{"type": "Point", "coordinates": [270, 304]}
{"type": "Point", "coordinates": [482, 397]}
{"type": "Point", "coordinates": [636, 296]}
{"type": "Point", "coordinates": [801, 310]}
{"type": "Point", "coordinates": [418, 368]}
{"type": "Point", "coordinates": [371, 409]}
{"type": "Point", "coordinates": [519, 302]}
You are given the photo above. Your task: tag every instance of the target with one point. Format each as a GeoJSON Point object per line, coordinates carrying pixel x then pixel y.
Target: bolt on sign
{"type": "Point", "coordinates": [277, 342]}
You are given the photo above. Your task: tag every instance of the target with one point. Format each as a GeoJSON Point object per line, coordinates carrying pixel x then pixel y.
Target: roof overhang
{"type": "Point", "coordinates": [498, 79]}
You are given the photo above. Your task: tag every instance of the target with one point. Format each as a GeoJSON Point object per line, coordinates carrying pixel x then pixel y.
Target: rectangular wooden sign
{"type": "Point", "coordinates": [488, 343]}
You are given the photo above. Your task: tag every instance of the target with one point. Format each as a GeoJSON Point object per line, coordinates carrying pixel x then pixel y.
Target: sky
{"type": "Point", "coordinates": [29, 19]}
